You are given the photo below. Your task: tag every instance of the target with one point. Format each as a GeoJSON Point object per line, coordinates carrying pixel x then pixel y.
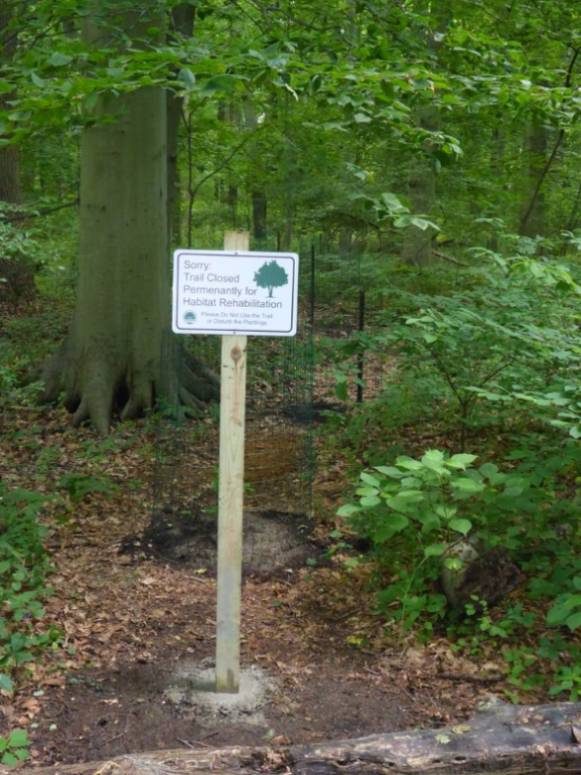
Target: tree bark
{"type": "Point", "coordinates": [9, 177]}
{"type": "Point", "coordinates": [259, 214]}
{"type": "Point", "coordinates": [183, 17]}
{"type": "Point", "coordinates": [16, 272]}
{"type": "Point", "coordinates": [258, 196]}
{"type": "Point", "coordinates": [9, 169]}
{"type": "Point", "coordinates": [528, 740]}
{"type": "Point", "coordinates": [112, 357]}
{"type": "Point", "coordinates": [533, 219]}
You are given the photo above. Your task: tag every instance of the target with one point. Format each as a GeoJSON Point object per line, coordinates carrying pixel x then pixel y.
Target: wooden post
{"type": "Point", "coordinates": [230, 499]}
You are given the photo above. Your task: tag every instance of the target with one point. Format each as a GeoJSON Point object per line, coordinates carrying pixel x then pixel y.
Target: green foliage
{"type": "Point", "coordinates": [503, 342]}
{"type": "Point", "coordinates": [79, 486]}
{"type": "Point", "coordinates": [347, 129]}
{"type": "Point", "coordinates": [566, 610]}
{"type": "Point", "coordinates": [14, 748]}
{"type": "Point", "coordinates": [23, 567]}
{"type": "Point", "coordinates": [415, 513]}
{"type": "Point", "coordinates": [15, 243]}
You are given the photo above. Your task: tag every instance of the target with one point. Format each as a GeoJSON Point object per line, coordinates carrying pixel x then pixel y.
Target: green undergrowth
{"type": "Point", "coordinates": [468, 444]}
{"type": "Point", "coordinates": [24, 565]}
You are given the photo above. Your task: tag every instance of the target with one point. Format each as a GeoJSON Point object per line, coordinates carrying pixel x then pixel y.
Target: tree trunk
{"type": "Point", "coordinates": [259, 201]}
{"type": "Point", "coordinates": [112, 357]}
{"type": "Point", "coordinates": [16, 271]}
{"type": "Point", "coordinates": [9, 177]}
{"type": "Point", "coordinates": [183, 17]}
{"type": "Point", "coordinates": [533, 740]}
{"type": "Point", "coordinates": [9, 172]}
{"type": "Point", "coordinates": [259, 211]}
{"type": "Point", "coordinates": [533, 219]}
{"type": "Point", "coordinates": [174, 109]}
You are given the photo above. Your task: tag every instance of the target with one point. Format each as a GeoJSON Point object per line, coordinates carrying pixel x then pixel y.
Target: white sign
{"type": "Point", "coordinates": [235, 292]}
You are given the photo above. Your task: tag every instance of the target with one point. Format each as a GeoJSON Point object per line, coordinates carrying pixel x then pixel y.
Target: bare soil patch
{"type": "Point", "coordinates": [274, 542]}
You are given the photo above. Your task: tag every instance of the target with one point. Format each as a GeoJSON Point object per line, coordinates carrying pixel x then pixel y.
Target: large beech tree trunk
{"type": "Point", "coordinates": [112, 357]}
{"type": "Point", "coordinates": [533, 740]}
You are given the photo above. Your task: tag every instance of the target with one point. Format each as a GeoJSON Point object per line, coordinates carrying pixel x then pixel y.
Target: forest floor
{"type": "Point", "coordinates": [128, 622]}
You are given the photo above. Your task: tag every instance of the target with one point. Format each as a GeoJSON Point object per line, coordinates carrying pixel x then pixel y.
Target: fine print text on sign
{"type": "Point", "coordinates": [235, 292]}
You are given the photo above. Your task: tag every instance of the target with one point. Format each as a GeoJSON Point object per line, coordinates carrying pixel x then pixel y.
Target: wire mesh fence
{"type": "Point", "coordinates": [279, 449]}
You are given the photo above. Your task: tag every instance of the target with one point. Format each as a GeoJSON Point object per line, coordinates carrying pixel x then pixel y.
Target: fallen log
{"type": "Point", "coordinates": [519, 740]}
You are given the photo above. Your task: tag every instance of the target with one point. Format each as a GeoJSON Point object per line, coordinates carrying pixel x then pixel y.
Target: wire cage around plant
{"type": "Point", "coordinates": [279, 457]}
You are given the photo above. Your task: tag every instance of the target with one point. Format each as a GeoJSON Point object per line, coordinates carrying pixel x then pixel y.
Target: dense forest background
{"type": "Point", "coordinates": [428, 157]}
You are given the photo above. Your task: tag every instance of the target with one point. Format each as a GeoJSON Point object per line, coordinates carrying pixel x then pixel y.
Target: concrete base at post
{"type": "Point", "coordinates": [192, 690]}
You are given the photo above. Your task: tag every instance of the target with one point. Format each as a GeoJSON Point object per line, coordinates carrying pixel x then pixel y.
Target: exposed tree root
{"type": "Point", "coordinates": [94, 388]}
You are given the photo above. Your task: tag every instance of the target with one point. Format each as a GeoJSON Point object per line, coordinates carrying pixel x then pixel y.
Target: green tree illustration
{"type": "Point", "coordinates": [271, 275]}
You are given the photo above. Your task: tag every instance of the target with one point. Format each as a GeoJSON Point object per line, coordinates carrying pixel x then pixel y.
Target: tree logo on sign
{"type": "Point", "coordinates": [190, 317]}
{"type": "Point", "coordinates": [271, 275]}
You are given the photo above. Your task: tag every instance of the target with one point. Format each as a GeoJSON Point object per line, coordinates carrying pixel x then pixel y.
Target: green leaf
{"type": "Point", "coordinates": [560, 612]}
{"type": "Point", "coordinates": [453, 563]}
{"type": "Point", "coordinates": [390, 471]}
{"type": "Point", "coordinates": [557, 614]}
{"type": "Point", "coordinates": [9, 760]}
{"type": "Point", "coordinates": [365, 491]}
{"type": "Point", "coordinates": [186, 77]}
{"type": "Point", "coordinates": [221, 83]}
{"type": "Point", "coordinates": [370, 479]}
{"type": "Point", "coordinates": [6, 684]}
{"type": "Point", "coordinates": [392, 202]}
{"type": "Point", "coordinates": [467, 486]}
{"type": "Point", "coordinates": [435, 550]}
{"type": "Point", "coordinates": [393, 525]}
{"type": "Point", "coordinates": [370, 500]}
{"type": "Point", "coordinates": [59, 60]}
{"type": "Point", "coordinates": [409, 463]}
{"type": "Point", "coordinates": [462, 460]}
{"type": "Point", "coordinates": [18, 738]}
{"type": "Point", "coordinates": [574, 621]}
{"type": "Point", "coordinates": [460, 525]}
{"type": "Point", "coordinates": [446, 512]}
{"type": "Point", "coordinates": [410, 482]}
{"type": "Point", "coordinates": [405, 500]}
{"type": "Point", "coordinates": [37, 80]}
{"type": "Point", "coordinates": [347, 510]}
{"type": "Point", "coordinates": [421, 223]}
{"type": "Point", "coordinates": [434, 460]}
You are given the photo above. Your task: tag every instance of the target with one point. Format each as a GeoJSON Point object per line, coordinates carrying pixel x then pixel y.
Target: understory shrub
{"type": "Point", "coordinates": [425, 519]}
{"type": "Point", "coordinates": [23, 568]}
